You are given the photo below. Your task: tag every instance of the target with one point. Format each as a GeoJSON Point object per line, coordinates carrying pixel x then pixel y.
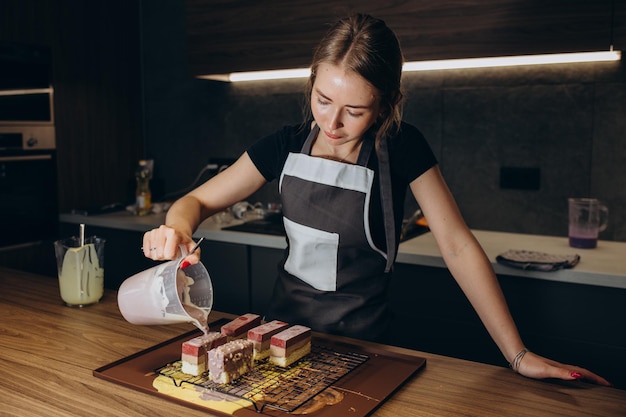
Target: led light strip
{"type": "Point", "coordinates": [25, 91]}
{"type": "Point", "coordinates": [510, 61]}
{"type": "Point", "coordinates": [444, 64]}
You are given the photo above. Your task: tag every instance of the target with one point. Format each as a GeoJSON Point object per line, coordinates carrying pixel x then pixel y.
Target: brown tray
{"type": "Point", "coordinates": [363, 389]}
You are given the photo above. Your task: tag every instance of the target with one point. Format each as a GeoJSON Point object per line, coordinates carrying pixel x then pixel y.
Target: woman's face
{"type": "Point", "coordinates": [343, 104]}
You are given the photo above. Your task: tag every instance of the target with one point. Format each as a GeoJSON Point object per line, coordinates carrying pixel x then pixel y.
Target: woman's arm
{"type": "Point", "coordinates": [233, 184]}
{"type": "Point", "coordinates": [472, 270]}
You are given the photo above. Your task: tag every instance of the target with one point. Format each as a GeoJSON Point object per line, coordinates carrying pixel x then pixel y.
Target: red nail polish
{"type": "Point", "coordinates": [576, 375]}
{"type": "Point", "coordinates": [184, 264]}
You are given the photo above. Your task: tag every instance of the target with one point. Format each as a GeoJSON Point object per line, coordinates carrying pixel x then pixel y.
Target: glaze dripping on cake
{"type": "Point", "coordinates": [229, 361]}
{"type": "Point", "coordinates": [194, 356]}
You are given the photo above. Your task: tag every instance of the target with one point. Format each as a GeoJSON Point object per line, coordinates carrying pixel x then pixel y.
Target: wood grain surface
{"type": "Point", "coordinates": [48, 353]}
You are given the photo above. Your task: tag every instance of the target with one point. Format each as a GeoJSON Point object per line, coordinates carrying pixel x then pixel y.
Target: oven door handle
{"type": "Point", "coordinates": [25, 158]}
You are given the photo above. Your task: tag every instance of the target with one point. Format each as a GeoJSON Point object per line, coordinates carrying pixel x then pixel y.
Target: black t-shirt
{"type": "Point", "coordinates": [409, 155]}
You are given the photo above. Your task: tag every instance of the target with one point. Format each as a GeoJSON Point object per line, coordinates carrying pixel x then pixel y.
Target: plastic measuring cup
{"type": "Point", "coordinates": [167, 294]}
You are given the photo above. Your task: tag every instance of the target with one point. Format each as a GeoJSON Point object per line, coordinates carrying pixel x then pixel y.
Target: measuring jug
{"type": "Point", "coordinates": [167, 294]}
{"type": "Point", "coordinates": [587, 217]}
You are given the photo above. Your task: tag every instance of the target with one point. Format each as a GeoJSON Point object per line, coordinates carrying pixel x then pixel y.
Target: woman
{"type": "Point", "coordinates": [342, 178]}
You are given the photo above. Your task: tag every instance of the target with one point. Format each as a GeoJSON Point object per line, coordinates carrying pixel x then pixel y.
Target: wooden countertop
{"type": "Point", "coordinates": [48, 353]}
{"type": "Point", "coordinates": [603, 266]}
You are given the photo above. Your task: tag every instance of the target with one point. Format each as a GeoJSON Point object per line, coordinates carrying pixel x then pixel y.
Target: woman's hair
{"type": "Point", "coordinates": [365, 45]}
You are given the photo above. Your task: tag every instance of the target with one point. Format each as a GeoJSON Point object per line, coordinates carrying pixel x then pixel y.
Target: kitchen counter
{"type": "Point", "coordinates": [49, 352]}
{"type": "Point", "coordinates": [603, 266]}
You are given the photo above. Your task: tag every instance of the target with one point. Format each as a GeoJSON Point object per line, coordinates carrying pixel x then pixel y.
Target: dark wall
{"type": "Point", "coordinates": [96, 69]}
{"type": "Point", "coordinates": [567, 122]}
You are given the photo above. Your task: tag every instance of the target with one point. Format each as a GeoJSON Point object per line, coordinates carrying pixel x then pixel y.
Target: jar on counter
{"type": "Point", "coordinates": [143, 200]}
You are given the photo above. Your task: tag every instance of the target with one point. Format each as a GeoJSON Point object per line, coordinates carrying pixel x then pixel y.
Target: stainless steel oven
{"type": "Point", "coordinates": [28, 185]}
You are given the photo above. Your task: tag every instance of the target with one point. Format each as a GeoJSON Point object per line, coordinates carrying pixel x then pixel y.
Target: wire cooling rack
{"type": "Point", "coordinates": [283, 389]}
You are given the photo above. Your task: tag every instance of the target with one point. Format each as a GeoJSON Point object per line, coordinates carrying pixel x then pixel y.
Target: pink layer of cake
{"type": "Point", "coordinates": [229, 361]}
{"type": "Point", "coordinates": [290, 345]}
{"type": "Point", "coordinates": [261, 336]}
{"type": "Point", "coordinates": [194, 352]}
{"type": "Point", "coordinates": [238, 328]}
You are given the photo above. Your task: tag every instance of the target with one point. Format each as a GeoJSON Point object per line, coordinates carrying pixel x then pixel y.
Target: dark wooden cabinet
{"type": "Point", "coordinates": [263, 272]}
{"type": "Point", "coordinates": [243, 276]}
{"type": "Point", "coordinates": [242, 35]}
{"type": "Point", "coordinates": [571, 323]}
{"type": "Point", "coordinates": [227, 264]}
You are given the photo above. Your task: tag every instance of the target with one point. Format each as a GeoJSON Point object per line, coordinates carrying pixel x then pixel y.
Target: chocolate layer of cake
{"type": "Point", "coordinates": [228, 362]}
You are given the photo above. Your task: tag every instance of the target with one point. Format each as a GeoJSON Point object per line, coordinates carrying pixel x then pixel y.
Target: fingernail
{"type": "Point", "coordinates": [184, 264]}
{"type": "Point", "coordinates": [576, 375]}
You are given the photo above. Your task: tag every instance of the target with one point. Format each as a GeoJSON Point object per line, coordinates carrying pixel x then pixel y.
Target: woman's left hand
{"type": "Point", "coordinates": [535, 366]}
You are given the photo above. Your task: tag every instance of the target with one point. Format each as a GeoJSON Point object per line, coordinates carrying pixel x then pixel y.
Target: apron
{"type": "Point", "coordinates": [334, 279]}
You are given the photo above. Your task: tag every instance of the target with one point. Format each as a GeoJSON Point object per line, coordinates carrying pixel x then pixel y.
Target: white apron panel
{"type": "Point", "coordinates": [328, 172]}
{"type": "Point", "coordinates": [313, 256]}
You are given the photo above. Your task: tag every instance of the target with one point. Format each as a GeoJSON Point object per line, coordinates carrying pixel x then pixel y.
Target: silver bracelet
{"type": "Point", "coordinates": [514, 365]}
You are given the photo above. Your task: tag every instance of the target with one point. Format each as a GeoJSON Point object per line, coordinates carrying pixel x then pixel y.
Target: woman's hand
{"type": "Point", "coordinates": [165, 243]}
{"type": "Point", "coordinates": [535, 366]}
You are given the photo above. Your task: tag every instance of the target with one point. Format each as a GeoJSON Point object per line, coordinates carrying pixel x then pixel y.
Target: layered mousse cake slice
{"type": "Point", "coordinates": [290, 345]}
{"type": "Point", "coordinates": [194, 355]}
{"type": "Point", "coordinates": [261, 336]}
{"type": "Point", "coordinates": [238, 328]}
{"type": "Point", "coordinates": [229, 361]}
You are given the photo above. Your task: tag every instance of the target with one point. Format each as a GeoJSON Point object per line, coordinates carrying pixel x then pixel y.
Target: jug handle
{"type": "Point", "coordinates": [604, 216]}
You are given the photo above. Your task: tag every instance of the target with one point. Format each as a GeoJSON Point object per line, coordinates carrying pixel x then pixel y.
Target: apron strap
{"type": "Point", "coordinates": [387, 202]}
{"type": "Point", "coordinates": [308, 144]}
{"type": "Point", "coordinates": [366, 150]}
